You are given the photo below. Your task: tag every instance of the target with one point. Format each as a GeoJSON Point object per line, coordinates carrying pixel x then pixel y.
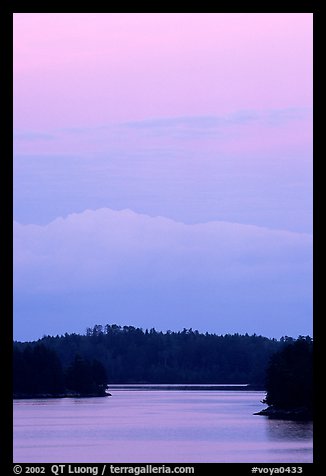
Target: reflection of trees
{"type": "Point", "coordinates": [288, 430]}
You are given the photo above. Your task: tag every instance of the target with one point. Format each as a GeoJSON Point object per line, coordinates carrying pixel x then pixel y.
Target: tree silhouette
{"type": "Point", "coordinates": [133, 355]}
{"type": "Point", "coordinates": [37, 370]}
{"type": "Point", "coordinates": [85, 377]}
{"type": "Point", "coordinates": [289, 382]}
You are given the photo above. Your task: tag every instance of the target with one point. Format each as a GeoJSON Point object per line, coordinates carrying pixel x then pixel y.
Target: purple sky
{"type": "Point", "coordinates": [163, 172]}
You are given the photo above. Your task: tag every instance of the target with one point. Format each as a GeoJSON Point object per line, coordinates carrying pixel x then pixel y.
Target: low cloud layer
{"type": "Point", "coordinates": [119, 266]}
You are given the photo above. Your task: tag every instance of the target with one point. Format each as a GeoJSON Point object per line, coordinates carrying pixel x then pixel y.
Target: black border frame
{"type": "Point", "coordinates": [6, 32]}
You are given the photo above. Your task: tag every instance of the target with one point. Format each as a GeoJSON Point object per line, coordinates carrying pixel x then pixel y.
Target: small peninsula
{"type": "Point", "coordinates": [38, 373]}
{"type": "Point", "coordinates": [289, 382]}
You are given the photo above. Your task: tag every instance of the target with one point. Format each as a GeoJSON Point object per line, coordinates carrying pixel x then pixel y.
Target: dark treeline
{"type": "Point", "coordinates": [38, 371]}
{"type": "Point", "coordinates": [132, 355]}
{"type": "Point", "coordinates": [289, 380]}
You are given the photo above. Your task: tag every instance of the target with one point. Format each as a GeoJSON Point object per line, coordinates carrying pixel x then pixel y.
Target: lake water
{"type": "Point", "coordinates": [157, 426]}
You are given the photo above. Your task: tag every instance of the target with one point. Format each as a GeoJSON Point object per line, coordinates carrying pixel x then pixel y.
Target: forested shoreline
{"type": "Point", "coordinates": [289, 382]}
{"type": "Point", "coordinates": [38, 372]}
{"type": "Point", "coordinates": [83, 365]}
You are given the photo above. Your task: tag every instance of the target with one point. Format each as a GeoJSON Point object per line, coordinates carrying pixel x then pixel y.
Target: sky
{"type": "Point", "coordinates": [163, 172]}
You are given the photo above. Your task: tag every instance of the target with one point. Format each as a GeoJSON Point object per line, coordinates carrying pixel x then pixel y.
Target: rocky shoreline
{"type": "Point", "coordinates": [301, 413]}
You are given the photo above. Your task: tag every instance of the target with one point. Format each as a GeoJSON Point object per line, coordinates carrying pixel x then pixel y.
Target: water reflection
{"type": "Point", "coordinates": [157, 426]}
{"type": "Point", "coordinates": [288, 430]}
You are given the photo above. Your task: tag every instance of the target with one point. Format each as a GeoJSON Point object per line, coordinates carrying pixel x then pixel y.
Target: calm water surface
{"type": "Point", "coordinates": [159, 426]}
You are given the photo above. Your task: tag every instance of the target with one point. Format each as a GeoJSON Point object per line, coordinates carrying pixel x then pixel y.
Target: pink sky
{"type": "Point", "coordinates": [93, 69]}
{"type": "Point", "coordinates": [197, 118]}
